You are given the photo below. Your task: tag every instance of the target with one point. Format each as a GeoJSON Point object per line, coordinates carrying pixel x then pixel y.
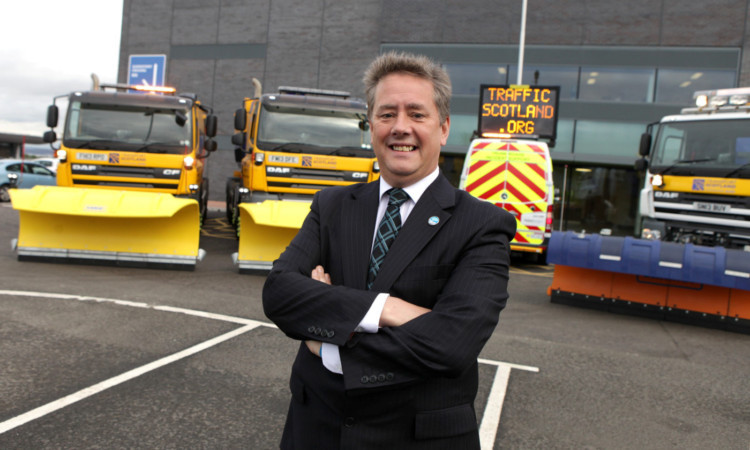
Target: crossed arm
{"type": "Point", "coordinates": [396, 311]}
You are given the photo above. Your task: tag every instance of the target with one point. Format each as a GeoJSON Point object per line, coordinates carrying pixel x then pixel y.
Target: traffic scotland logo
{"type": "Point", "coordinates": [114, 158]}
{"type": "Point", "coordinates": [307, 161]}
{"type": "Point", "coordinates": [699, 184]}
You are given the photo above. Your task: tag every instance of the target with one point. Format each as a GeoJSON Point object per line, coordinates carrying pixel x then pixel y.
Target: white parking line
{"type": "Point", "coordinates": [114, 381]}
{"type": "Point", "coordinates": [487, 429]}
{"type": "Point", "coordinates": [190, 312]}
{"type": "Point", "coordinates": [494, 408]}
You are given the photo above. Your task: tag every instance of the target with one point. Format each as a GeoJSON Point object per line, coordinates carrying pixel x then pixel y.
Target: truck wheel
{"type": "Point", "coordinates": [231, 198]}
{"type": "Point", "coordinates": [203, 201]}
{"type": "Point", "coordinates": [4, 193]}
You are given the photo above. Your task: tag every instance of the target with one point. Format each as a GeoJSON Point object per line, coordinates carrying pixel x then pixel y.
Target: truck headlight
{"type": "Point", "coordinates": [651, 234]}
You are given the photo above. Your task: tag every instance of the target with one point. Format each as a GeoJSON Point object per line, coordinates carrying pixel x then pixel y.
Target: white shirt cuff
{"type": "Point", "coordinates": [329, 353]}
{"type": "Point", "coordinates": [331, 357]}
{"type": "Point", "coordinates": [371, 322]}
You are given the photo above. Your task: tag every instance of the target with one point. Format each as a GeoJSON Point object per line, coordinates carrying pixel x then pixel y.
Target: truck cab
{"type": "Point", "coordinates": [135, 139]}
{"type": "Point", "coordinates": [697, 163]}
{"type": "Point", "coordinates": [295, 142]}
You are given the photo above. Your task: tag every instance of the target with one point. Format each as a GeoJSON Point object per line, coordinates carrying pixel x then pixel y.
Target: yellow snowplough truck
{"type": "Point", "coordinates": [131, 187]}
{"type": "Point", "coordinates": [290, 144]}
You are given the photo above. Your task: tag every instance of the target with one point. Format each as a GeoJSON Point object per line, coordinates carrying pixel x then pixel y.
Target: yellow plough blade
{"type": "Point", "coordinates": [266, 229]}
{"type": "Point", "coordinates": [119, 227]}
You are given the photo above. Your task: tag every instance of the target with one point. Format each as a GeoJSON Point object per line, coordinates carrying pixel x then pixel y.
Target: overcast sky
{"type": "Point", "coordinates": [51, 47]}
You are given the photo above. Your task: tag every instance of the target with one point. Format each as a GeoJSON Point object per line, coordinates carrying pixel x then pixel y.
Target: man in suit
{"type": "Point", "coordinates": [390, 336]}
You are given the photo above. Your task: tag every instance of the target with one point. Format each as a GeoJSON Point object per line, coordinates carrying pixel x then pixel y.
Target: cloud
{"type": "Point", "coordinates": [49, 54]}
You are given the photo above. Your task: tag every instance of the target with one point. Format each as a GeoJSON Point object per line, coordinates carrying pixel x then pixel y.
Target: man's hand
{"type": "Point", "coordinates": [397, 312]}
{"type": "Point", "coordinates": [319, 274]}
{"type": "Point", "coordinates": [314, 347]}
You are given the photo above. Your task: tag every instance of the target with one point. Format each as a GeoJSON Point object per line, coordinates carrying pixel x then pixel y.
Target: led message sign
{"type": "Point", "coordinates": [518, 111]}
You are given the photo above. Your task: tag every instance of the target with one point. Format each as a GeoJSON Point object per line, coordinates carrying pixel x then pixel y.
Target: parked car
{"type": "Point", "coordinates": [50, 163]}
{"type": "Point", "coordinates": [28, 175]}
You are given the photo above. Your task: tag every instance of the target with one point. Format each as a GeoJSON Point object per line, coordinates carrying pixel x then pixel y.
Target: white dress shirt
{"type": "Point", "coordinates": [370, 323]}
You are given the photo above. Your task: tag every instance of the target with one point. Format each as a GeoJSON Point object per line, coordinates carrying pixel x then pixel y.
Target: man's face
{"type": "Point", "coordinates": [405, 128]}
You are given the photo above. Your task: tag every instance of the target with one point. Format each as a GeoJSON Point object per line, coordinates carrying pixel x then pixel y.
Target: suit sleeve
{"type": "Point", "coordinates": [306, 309]}
{"type": "Point", "coordinates": [446, 341]}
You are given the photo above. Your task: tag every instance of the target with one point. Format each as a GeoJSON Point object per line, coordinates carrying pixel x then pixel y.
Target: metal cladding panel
{"type": "Point", "coordinates": [714, 266]}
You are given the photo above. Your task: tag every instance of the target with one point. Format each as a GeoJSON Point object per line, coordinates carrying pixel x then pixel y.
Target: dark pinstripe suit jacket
{"type": "Point", "coordinates": [411, 386]}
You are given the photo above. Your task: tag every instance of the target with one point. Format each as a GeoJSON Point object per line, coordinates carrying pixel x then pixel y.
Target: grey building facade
{"type": "Point", "coordinates": [620, 65]}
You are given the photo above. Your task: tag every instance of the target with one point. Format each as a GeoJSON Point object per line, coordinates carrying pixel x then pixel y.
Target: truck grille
{"type": "Point", "coordinates": [142, 177]}
{"type": "Point", "coordinates": [295, 177]}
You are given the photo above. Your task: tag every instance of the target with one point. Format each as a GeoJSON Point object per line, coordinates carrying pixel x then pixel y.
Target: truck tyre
{"type": "Point", "coordinates": [231, 198]}
{"type": "Point", "coordinates": [203, 201]}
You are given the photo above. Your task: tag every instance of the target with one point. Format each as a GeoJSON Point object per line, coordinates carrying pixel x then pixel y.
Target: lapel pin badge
{"type": "Point", "coordinates": [434, 220]}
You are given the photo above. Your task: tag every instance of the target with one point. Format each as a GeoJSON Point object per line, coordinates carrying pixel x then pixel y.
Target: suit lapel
{"type": "Point", "coordinates": [358, 227]}
{"type": "Point", "coordinates": [418, 230]}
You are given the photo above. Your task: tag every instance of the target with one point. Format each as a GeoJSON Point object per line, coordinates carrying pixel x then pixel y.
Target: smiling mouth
{"type": "Point", "coordinates": [403, 148]}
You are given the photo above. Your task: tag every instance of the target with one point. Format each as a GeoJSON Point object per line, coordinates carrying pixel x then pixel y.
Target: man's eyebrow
{"type": "Point", "coordinates": [409, 106]}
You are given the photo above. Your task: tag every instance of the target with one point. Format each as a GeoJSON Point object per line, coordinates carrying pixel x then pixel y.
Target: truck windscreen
{"type": "Point", "coordinates": [312, 128]}
{"type": "Point", "coordinates": [705, 147]}
{"type": "Point", "coordinates": [127, 128]}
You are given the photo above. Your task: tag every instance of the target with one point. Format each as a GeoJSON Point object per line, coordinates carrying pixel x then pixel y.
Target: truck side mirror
{"type": "Point", "coordinates": [238, 139]}
{"type": "Point", "coordinates": [52, 115]}
{"type": "Point", "coordinates": [210, 145]}
{"type": "Point", "coordinates": [238, 154]}
{"type": "Point", "coordinates": [641, 165]}
{"type": "Point", "coordinates": [49, 136]}
{"type": "Point", "coordinates": [240, 119]}
{"type": "Point", "coordinates": [211, 125]}
{"type": "Point", "coordinates": [645, 144]}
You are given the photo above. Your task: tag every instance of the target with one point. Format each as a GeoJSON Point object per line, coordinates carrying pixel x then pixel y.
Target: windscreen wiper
{"type": "Point", "coordinates": [352, 151]}
{"type": "Point", "coordinates": [737, 170]}
{"type": "Point", "coordinates": [294, 147]}
{"type": "Point", "coordinates": [147, 147]}
{"type": "Point", "coordinates": [685, 161]}
{"type": "Point", "coordinates": [97, 144]}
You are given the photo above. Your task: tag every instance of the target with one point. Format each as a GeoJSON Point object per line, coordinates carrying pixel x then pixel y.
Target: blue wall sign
{"type": "Point", "coordinates": [148, 70]}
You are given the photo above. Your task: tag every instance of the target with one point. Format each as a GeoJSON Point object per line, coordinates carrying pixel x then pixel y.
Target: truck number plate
{"type": "Point", "coordinates": [283, 159]}
{"type": "Point", "coordinates": [712, 207]}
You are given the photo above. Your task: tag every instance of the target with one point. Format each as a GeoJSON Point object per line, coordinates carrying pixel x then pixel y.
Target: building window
{"type": "Point", "coordinates": [599, 200]}
{"type": "Point", "coordinates": [617, 84]}
{"type": "Point", "coordinates": [676, 86]}
{"type": "Point", "coordinates": [462, 129]}
{"type": "Point", "coordinates": [564, 76]}
{"type": "Point", "coordinates": [466, 78]}
{"type": "Point", "coordinates": [608, 138]}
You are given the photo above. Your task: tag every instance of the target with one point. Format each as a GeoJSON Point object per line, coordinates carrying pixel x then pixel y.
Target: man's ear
{"type": "Point", "coordinates": [445, 128]}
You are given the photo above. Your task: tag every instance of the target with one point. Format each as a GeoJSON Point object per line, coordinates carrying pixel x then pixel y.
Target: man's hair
{"type": "Point", "coordinates": [417, 65]}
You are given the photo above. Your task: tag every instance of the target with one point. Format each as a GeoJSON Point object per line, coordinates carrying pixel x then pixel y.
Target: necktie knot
{"type": "Point", "coordinates": [397, 196]}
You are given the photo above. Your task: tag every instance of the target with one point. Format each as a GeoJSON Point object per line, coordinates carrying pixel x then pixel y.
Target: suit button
{"type": "Point", "coordinates": [349, 422]}
{"type": "Point", "coordinates": [389, 376]}
{"type": "Point", "coordinates": [317, 331]}
{"type": "Point", "coordinates": [381, 377]}
{"type": "Point", "coordinates": [331, 333]}
{"type": "Point", "coordinates": [373, 378]}
{"type": "Point", "coordinates": [311, 329]}
{"type": "Point", "coordinates": [365, 379]}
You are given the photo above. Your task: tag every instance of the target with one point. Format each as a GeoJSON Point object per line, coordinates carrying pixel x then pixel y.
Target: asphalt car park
{"type": "Point", "coordinates": [111, 357]}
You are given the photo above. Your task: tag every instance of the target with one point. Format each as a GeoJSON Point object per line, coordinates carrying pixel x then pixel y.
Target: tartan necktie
{"type": "Point", "coordinates": [387, 231]}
